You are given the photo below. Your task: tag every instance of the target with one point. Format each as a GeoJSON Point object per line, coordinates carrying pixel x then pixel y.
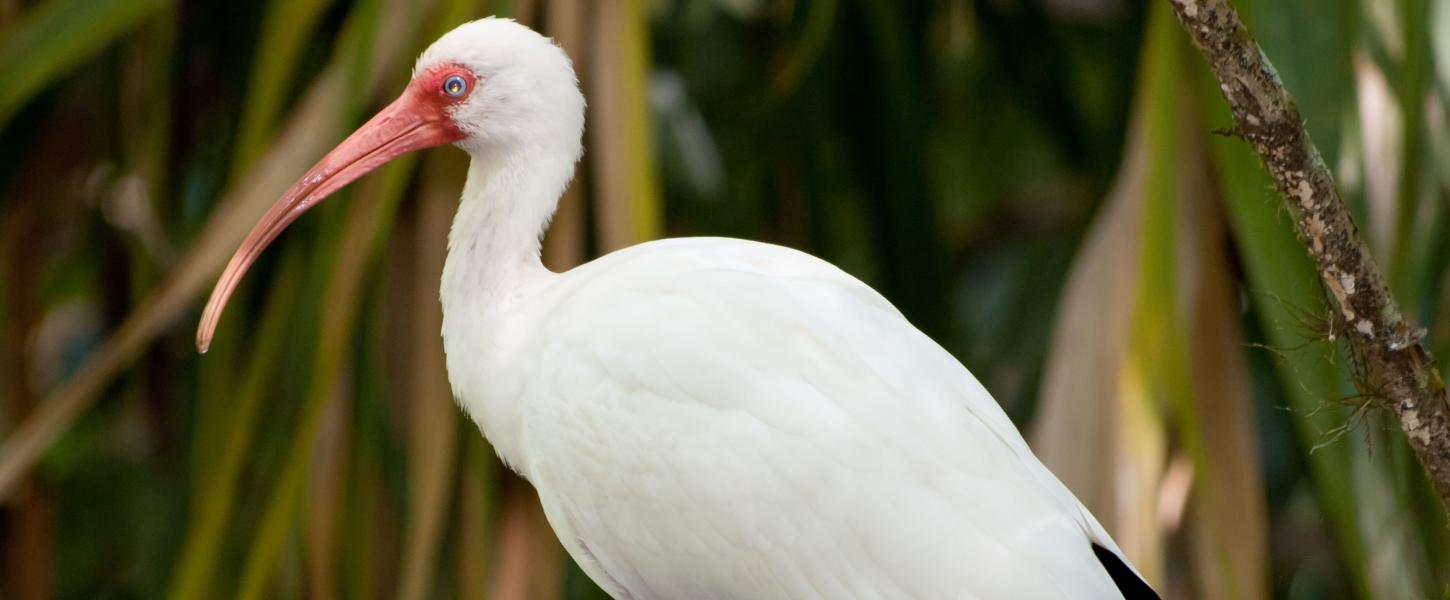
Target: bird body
{"type": "Point", "coordinates": [755, 418]}
{"type": "Point", "coordinates": [705, 417]}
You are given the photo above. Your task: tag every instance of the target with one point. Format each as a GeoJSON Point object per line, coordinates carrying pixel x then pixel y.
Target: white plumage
{"type": "Point", "coordinates": [706, 417]}
{"type": "Point", "coordinates": [712, 418]}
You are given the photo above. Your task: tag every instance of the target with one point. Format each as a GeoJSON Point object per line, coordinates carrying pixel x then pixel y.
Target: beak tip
{"type": "Point", "coordinates": [203, 342]}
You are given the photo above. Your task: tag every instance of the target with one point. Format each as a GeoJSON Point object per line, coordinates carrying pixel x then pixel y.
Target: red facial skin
{"type": "Point", "coordinates": [418, 119]}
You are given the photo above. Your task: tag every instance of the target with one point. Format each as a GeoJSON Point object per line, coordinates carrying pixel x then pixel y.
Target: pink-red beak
{"type": "Point", "coordinates": [414, 121]}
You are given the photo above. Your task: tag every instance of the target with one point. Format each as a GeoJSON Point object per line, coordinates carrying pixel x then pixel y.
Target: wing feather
{"type": "Point", "coordinates": [764, 422]}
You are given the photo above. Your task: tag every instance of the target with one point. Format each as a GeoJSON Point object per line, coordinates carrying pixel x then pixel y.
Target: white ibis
{"type": "Point", "coordinates": [704, 417]}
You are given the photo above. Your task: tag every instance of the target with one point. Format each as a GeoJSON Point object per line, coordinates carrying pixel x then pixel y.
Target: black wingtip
{"type": "Point", "coordinates": [1128, 582]}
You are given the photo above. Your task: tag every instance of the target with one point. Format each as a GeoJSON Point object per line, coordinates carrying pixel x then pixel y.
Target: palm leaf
{"type": "Point", "coordinates": [57, 35]}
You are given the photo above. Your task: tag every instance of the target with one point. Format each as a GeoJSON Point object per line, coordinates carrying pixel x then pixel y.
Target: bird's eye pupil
{"type": "Point", "coordinates": [455, 86]}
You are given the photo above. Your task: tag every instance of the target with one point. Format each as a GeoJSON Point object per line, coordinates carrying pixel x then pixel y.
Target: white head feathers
{"type": "Point", "coordinates": [526, 91]}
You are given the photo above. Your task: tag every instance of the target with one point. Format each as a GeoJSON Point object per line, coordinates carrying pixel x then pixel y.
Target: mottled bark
{"type": "Point", "coordinates": [1398, 371]}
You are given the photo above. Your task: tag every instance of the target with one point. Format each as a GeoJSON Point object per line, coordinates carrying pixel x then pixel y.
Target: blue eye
{"type": "Point", "coordinates": [455, 86]}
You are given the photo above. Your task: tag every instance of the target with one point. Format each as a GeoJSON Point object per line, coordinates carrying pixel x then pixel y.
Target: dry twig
{"type": "Point", "coordinates": [1398, 368]}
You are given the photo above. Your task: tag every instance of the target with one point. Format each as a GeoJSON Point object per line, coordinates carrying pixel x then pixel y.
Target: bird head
{"type": "Point", "coordinates": [492, 87]}
{"type": "Point", "coordinates": [522, 88]}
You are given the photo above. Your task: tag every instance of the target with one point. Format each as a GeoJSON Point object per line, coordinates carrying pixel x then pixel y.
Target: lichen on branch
{"type": "Point", "coordinates": [1399, 372]}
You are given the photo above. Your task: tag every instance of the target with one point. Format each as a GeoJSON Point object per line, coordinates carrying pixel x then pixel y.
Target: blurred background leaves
{"type": "Point", "coordinates": [1035, 183]}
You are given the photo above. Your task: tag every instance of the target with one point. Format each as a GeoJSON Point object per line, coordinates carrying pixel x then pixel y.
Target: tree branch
{"type": "Point", "coordinates": [1400, 372]}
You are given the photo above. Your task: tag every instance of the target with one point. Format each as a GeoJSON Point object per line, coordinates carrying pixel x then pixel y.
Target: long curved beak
{"type": "Point", "coordinates": [412, 122]}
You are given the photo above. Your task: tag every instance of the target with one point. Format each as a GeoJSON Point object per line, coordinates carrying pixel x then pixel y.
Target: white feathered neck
{"type": "Point", "coordinates": [524, 122]}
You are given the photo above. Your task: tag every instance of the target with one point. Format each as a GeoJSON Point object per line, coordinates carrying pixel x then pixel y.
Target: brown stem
{"type": "Point", "coordinates": [1400, 373]}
